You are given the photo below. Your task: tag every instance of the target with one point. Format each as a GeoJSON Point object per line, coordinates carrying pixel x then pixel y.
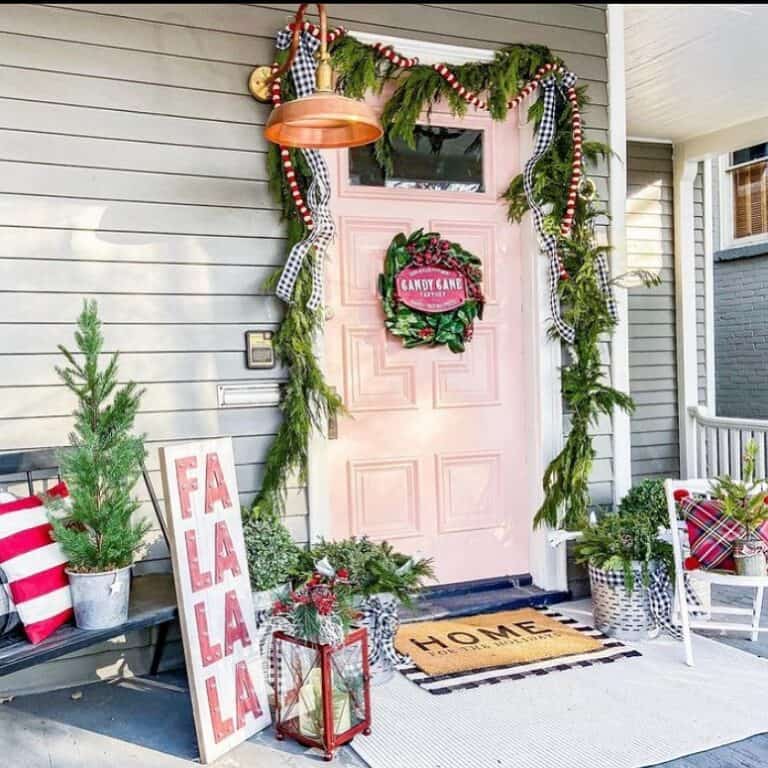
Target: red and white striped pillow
{"type": "Point", "coordinates": [35, 565]}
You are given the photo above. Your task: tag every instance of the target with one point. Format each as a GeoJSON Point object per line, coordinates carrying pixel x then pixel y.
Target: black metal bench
{"type": "Point", "coordinates": [153, 598]}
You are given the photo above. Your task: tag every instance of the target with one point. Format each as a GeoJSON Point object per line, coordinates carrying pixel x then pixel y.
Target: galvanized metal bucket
{"type": "Point", "coordinates": [749, 556]}
{"type": "Point", "coordinates": [617, 611]}
{"type": "Point", "coordinates": [100, 600]}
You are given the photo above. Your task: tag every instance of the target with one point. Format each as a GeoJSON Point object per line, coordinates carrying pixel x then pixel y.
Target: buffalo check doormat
{"type": "Point", "coordinates": [466, 652]}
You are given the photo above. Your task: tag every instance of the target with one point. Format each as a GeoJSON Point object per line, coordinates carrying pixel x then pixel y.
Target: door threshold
{"type": "Point", "coordinates": [471, 598]}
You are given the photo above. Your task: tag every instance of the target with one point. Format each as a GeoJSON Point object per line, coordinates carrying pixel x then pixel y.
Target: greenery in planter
{"type": "Point", "coordinates": [372, 567]}
{"type": "Point", "coordinates": [273, 556]}
{"type": "Point", "coordinates": [616, 541]}
{"type": "Point", "coordinates": [320, 610]}
{"type": "Point", "coordinates": [104, 462]}
{"type": "Point", "coordinates": [744, 500]}
{"type": "Point", "coordinates": [648, 498]}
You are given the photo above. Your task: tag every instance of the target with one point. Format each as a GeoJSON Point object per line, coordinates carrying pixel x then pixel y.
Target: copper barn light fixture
{"type": "Point", "coordinates": [323, 120]}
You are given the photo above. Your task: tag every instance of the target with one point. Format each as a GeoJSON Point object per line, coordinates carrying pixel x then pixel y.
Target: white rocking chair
{"type": "Point", "coordinates": [684, 609]}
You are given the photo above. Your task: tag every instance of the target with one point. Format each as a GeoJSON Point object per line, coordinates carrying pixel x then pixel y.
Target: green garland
{"type": "Point", "coordinates": [585, 386]}
{"type": "Point", "coordinates": [421, 328]}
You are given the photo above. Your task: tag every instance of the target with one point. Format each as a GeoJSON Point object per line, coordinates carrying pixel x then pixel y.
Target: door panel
{"type": "Point", "coordinates": [433, 454]}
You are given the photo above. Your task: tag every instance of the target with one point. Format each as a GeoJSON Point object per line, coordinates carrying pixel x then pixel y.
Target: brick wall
{"type": "Point", "coordinates": [741, 336]}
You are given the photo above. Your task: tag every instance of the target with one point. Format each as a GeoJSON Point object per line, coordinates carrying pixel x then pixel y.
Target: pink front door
{"type": "Point", "coordinates": [433, 458]}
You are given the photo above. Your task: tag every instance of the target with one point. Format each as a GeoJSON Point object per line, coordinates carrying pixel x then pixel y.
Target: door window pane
{"type": "Point", "coordinates": [447, 159]}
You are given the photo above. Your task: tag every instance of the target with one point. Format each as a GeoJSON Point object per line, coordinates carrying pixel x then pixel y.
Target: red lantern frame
{"type": "Point", "coordinates": [330, 740]}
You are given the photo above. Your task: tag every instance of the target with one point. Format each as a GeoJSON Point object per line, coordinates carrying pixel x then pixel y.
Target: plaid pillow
{"type": "Point", "coordinates": [711, 533]}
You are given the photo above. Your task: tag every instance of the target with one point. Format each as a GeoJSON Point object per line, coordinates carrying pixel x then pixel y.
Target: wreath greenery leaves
{"type": "Point", "coordinates": [416, 328]}
{"type": "Point", "coordinates": [585, 383]}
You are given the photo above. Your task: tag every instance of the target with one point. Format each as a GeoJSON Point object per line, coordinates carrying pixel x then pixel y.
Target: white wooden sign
{"type": "Point", "coordinates": [213, 590]}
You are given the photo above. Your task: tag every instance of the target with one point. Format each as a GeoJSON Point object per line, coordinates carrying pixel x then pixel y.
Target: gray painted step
{"type": "Point", "coordinates": [473, 598]}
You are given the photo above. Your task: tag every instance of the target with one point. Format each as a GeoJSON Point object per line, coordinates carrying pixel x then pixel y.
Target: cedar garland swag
{"type": "Point", "coordinates": [580, 282]}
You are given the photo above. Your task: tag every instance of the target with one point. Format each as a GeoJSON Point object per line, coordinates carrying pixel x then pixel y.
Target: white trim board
{"type": "Point", "coordinates": [645, 139]}
{"type": "Point", "coordinates": [685, 309]}
{"type": "Point", "coordinates": [709, 289]}
{"type": "Point", "coordinates": [617, 202]}
{"type": "Point", "coordinates": [427, 53]}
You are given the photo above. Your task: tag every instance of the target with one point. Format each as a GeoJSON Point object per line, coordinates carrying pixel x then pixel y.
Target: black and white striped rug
{"type": "Point", "coordinates": [611, 651]}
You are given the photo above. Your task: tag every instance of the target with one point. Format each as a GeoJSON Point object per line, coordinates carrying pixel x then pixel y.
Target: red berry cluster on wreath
{"type": "Point", "coordinates": [433, 253]}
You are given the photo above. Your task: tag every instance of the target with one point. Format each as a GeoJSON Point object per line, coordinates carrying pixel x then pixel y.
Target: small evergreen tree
{"type": "Point", "coordinates": [105, 460]}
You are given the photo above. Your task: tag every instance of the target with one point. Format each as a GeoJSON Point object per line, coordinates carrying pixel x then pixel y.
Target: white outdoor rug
{"type": "Point", "coordinates": [646, 711]}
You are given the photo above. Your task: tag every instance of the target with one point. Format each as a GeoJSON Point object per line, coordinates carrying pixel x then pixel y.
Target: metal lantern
{"type": "Point", "coordinates": [322, 692]}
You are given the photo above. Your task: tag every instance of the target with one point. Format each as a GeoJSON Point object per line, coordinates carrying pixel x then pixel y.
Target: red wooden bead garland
{"type": "Point", "coordinates": [576, 169]}
{"type": "Point", "coordinates": [399, 61]}
{"type": "Point", "coordinates": [450, 78]}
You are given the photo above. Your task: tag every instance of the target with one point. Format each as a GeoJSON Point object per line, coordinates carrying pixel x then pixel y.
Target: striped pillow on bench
{"type": "Point", "coordinates": [35, 565]}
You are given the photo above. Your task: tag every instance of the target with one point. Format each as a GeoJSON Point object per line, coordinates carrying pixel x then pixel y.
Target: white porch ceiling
{"type": "Point", "coordinates": [693, 69]}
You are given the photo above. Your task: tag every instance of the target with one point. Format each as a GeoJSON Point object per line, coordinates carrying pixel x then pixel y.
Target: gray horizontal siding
{"type": "Point", "coordinates": [652, 336]}
{"type": "Point", "coordinates": [132, 171]}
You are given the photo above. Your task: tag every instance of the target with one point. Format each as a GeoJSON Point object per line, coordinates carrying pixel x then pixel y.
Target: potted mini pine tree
{"type": "Point", "coordinates": [745, 502]}
{"type": "Point", "coordinates": [97, 532]}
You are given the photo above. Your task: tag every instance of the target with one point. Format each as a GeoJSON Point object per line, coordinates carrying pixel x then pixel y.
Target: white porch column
{"type": "Point", "coordinates": [685, 309]}
{"type": "Point", "coordinates": [617, 192]}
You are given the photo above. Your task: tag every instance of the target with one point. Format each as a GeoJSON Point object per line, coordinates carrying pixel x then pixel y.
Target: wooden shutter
{"type": "Point", "coordinates": [750, 200]}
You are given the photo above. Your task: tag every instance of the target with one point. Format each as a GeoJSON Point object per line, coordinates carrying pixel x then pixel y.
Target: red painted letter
{"type": "Point", "coordinates": [208, 653]}
{"type": "Point", "coordinates": [221, 728]}
{"type": "Point", "coordinates": [245, 696]}
{"type": "Point", "coordinates": [234, 626]}
{"type": "Point", "coordinates": [186, 484]}
{"type": "Point", "coordinates": [199, 579]}
{"type": "Point", "coordinates": [226, 558]}
{"type": "Point", "coordinates": [215, 487]}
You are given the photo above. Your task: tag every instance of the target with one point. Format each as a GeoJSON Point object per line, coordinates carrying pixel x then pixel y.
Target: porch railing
{"type": "Point", "coordinates": [720, 444]}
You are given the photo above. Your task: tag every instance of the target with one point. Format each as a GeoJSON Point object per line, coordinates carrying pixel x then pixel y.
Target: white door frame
{"type": "Point", "coordinates": [541, 356]}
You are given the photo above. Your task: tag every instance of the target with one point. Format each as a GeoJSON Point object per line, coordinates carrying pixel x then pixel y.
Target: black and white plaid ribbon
{"type": "Point", "coordinates": [661, 601]}
{"type": "Point", "coordinates": [303, 71]}
{"type": "Point", "coordinates": [547, 241]}
{"type": "Point", "coordinates": [381, 619]}
{"type": "Point", "coordinates": [604, 278]}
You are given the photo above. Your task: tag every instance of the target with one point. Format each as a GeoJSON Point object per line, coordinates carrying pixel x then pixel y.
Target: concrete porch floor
{"type": "Point", "coordinates": [131, 723]}
{"type": "Point", "coordinates": [147, 723]}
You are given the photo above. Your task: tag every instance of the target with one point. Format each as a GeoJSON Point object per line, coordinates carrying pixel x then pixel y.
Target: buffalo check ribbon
{"type": "Point", "coordinates": [547, 241]}
{"type": "Point", "coordinates": [303, 71]}
{"type": "Point", "coordinates": [382, 620]}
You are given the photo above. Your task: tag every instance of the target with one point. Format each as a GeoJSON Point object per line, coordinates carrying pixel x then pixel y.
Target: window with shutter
{"type": "Point", "coordinates": [750, 191]}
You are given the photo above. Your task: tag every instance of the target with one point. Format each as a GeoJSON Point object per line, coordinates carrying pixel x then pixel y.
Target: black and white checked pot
{"type": "Point", "coordinates": [617, 612]}
{"type": "Point", "coordinates": [266, 625]}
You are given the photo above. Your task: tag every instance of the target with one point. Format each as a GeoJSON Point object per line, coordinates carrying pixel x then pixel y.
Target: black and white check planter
{"type": "Point", "coordinates": [619, 612]}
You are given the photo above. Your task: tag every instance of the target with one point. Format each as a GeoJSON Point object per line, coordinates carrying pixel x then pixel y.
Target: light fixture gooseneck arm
{"type": "Point", "coordinates": [323, 69]}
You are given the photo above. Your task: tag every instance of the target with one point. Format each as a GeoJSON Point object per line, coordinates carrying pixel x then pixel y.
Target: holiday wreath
{"type": "Point", "coordinates": [430, 291]}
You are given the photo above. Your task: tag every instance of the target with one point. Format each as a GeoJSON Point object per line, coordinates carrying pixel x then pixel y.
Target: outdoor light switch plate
{"type": "Point", "coordinates": [259, 349]}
